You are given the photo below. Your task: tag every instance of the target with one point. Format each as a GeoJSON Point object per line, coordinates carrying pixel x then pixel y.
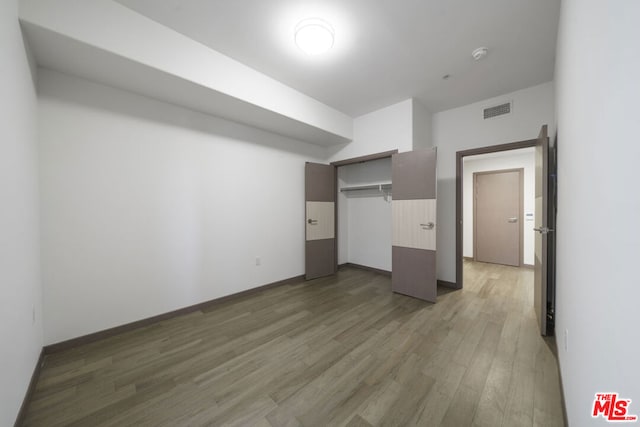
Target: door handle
{"type": "Point", "coordinates": [428, 226]}
{"type": "Point", "coordinates": [543, 230]}
{"type": "Point", "coordinates": [513, 219]}
{"type": "Point", "coordinates": [312, 221]}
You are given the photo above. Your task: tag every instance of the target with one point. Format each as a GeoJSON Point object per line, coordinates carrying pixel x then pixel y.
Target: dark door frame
{"type": "Point", "coordinates": [460, 155]}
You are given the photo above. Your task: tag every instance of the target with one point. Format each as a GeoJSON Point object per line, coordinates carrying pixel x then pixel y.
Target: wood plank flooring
{"type": "Point", "coordinates": [341, 351]}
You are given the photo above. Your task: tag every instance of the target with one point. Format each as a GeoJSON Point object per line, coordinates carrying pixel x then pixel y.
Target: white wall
{"type": "Point", "coordinates": [515, 159]}
{"type": "Point", "coordinates": [598, 203]}
{"type": "Point", "coordinates": [464, 128]}
{"type": "Point", "coordinates": [149, 207]}
{"type": "Point", "coordinates": [364, 217]}
{"type": "Point", "coordinates": [383, 130]}
{"type": "Point", "coordinates": [20, 290]}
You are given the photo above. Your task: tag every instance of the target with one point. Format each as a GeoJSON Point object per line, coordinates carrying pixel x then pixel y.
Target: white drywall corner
{"type": "Point", "coordinates": [422, 126]}
{"type": "Point", "coordinates": [20, 288]}
{"type": "Point", "coordinates": [382, 130]}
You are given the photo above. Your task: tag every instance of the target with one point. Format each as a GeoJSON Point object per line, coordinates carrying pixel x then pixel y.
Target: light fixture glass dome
{"type": "Point", "coordinates": [314, 36]}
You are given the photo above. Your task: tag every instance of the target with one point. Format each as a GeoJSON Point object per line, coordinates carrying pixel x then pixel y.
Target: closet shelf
{"type": "Point", "coordinates": [379, 187]}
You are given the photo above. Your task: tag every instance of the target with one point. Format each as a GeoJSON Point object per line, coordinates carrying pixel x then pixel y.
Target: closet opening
{"type": "Point", "coordinates": [351, 218]}
{"type": "Point", "coordinates": [364, 226]}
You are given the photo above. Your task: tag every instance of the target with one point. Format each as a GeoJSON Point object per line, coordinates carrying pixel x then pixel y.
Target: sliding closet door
{"type": "Point", "coordinates": [414, 224]}
{"type": "Point", "coordinates": [320, 220]}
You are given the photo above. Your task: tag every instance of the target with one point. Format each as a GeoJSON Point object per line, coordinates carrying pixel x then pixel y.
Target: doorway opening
{"type": "Point", "coordinates": [498, 206]}
{"type": "Point", "coordinates": [488, 268]}
{"type": "Point", "coordinates": [493, 158]}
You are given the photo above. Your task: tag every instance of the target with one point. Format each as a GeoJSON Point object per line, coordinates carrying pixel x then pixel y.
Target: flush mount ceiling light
{"type": "Point", "coordinates": [314, 36]}
{"type": "Point", "coordinates": [479, 53]}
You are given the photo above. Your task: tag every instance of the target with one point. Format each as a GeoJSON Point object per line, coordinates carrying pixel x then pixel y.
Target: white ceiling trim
{"type": "Point", "coordinates": [106, 42]}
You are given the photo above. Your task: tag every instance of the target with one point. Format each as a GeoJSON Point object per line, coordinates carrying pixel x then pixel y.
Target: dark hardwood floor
{"type": "Point", "coordinates": [340, 351]}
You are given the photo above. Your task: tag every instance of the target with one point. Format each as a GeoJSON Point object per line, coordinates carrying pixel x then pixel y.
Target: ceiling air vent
{"type": "Point", "coordinates": [498, 110]}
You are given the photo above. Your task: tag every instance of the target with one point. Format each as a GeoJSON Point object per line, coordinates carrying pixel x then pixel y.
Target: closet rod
{"type": "Point", "coordinates": [378, 187]}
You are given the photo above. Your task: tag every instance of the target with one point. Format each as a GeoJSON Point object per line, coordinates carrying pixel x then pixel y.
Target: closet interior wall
{"type": "Point", "coordinates": [364, 215]}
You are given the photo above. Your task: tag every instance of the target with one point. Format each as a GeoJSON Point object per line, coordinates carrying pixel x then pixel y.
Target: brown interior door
{"type": "Point", "coordinates": [497, 214]}
{"type": "Point", "coordinates": [414, 224]}
{"type": "Point", "coordinates": [320, 220]}
{"type": "Point", "coordinates": [540, 266]}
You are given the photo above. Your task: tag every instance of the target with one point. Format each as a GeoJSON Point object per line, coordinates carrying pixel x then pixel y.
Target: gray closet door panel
{"type": "Point", "coordinates": [413, 258]}
{"type": "Point", "coordinates": [413, 175]}
{"type": "Point", "coordinates": [320, 258]}
{"type": "Point", "coordinates": [319, 183]}
{"type": "Point", "coordinates": [414, 273]}
{"type": "Point", "coordinates": [320, 196]}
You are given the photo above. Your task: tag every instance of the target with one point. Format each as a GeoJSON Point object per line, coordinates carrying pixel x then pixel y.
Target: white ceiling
{"type": "Point", "coordinates": [385, 50]}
